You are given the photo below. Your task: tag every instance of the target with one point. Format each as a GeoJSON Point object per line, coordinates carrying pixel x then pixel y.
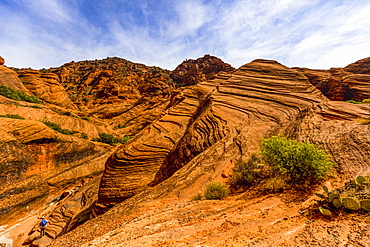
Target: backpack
{"type": "Point", "coordinates": [43, 223]}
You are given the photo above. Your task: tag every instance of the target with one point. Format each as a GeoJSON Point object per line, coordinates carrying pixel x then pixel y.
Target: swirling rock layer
{"type": "Point", "coordinates": [340, 84]}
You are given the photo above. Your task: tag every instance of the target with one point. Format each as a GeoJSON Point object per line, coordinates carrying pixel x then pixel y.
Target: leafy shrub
{"type": "Point", "coordinates": [196, 197]}
{"type": "Point", "coordinates": [15, 116]}
{"type": "Point", "coordinates": [273, 184]}
{"type": "Point", "coordinates": [301, 163]}
{"type": "Point", "coordinates": [85, 118]}
{"type": "Point", "coordinates": [353, 101]}
{"type": "Point", "coordinates": [366, 101]}
{"type": "Point", "coordinates": [216, 190]}
{"type": "Point", "coordinates": [57, 127]}
{"type": "Point", "coordinates": [119, 126]}
{"type": "Point", "coordinates": [67, 113]}
{"type": "Point", "coordinates": [111, 140]}
{"type": "Point", "coordinates": [17, 95]}
{"type": "Point", "coordinates": [84, 136]}
{"type": "Point", "coordinates": [247, 173]}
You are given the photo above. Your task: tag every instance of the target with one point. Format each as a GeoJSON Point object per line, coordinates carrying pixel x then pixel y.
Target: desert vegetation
{"type": "Point", "coordinates": [353, 196]}
{"type": "Point", "coordinates": [57, 127]}
{"type": "Point", "coordinates": [111, 140]}
{"type": "Point", "coordinates": [15, 116]}
{"type": "Point", "coordinates": [17, 95]}
{"type": "Point", "coordinates": [282, 163]}
{"type": "Point", "coordinates": [216, 190]}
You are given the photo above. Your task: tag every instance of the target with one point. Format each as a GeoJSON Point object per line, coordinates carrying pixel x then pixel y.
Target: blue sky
{"type": "Point", "coordinates": [306, 33]}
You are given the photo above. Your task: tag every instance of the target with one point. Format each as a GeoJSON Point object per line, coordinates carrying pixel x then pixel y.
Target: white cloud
{"type": "Point", "coordinates": [308, 33]}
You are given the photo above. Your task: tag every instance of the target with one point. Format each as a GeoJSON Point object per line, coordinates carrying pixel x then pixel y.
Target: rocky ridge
{"type": "Point", "coordinates": [184, 138]}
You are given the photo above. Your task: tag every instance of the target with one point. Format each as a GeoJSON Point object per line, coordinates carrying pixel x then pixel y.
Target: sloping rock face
{"type": "Point", "coordinates": [339, 84]}
{"type": "Point", "coordinates": [10, 78]}
{"type": "Point", "coordinates": [202, 134]}
{"type": "Point", "coordinates": [38, 165]}
{"type": "Point", "coordinates": [112, 81]}
{"type": "Point", "coordinates": [46, 87]}
{"type": "Point", "coordinates": [2, 61]}
{"type": "Point", "coordinates": [191, 72]}
{"type": "Point", "coordinates": [360, 67]}
{"type": "Point", "coordinates": [131, 95]}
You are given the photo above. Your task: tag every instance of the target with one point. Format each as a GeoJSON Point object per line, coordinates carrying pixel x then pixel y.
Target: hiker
{"type": "Point", "coordinates": [43, 223]}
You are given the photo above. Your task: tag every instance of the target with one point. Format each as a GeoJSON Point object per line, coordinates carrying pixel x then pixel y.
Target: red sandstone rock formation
{"type": "Point", "coordinates": [185, 138]}
{"type": "Point", "coordinates": [339, 84]}
{"type": "Point", "coordinates": [360, 67]}
{"type": "Point", "coordinates": [202, 118]}
{"type": "Point", "coordinates": [206, 129]}
{"type": "Point", "coordinates": [46, 87]}
{"type": "Point", "coordinates": [191, 72]}
{"type": "Point", "coordinates": [10, 78]}
{"type": "Point", "coordinates": [2, 61]}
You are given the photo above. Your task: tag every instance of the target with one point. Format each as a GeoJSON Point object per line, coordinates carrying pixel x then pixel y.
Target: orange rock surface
{"type": "Point", "coordinates": [184, 138]}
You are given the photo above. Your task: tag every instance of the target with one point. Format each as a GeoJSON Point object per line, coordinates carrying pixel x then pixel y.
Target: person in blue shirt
{"type": "Point", "coordinates": [43, 224]}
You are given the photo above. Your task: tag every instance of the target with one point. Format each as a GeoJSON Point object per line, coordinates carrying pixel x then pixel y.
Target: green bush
{"type": "Point", "coordinates": [84, 136]}
{"type": "Point", "coordinates": [17, 95]}
{"type": "Point", "coordinates": [85, 118]}
{"type": "Point", "coordinates": [301, 163]}
{"type": "Point", "coordinates": [247, 173]}
{"type": "Point", "coordinates": [111, 140]}
{"type": "Point", "coordinates": [216, 190]}
{"type": "Point", "coordinates": [119, 126]}
{"type": "Point", "coordinates": [15, 116]}
{"type": "Point", "coordinates": [353, 101]}
{"type": "Point", "coordinates": [196, 197]}
{"type": "Point", "coordinates": [366, 101]}
{"type": "Point", "coordinates": [57, 127]}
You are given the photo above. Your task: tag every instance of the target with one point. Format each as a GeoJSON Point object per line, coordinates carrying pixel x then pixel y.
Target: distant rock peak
{"type": "Point", "coordinates": [191, 72]}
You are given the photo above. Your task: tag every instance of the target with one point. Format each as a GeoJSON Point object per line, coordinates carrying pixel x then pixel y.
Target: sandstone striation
{"type": "Point", "coordinates": [10, 78]}
{"type": "Point", "coordinates": [339, 84]}
{"type": "Point", "coordinates": [191, 72]}
{"type": "Point", "coordinates": [46, 87]}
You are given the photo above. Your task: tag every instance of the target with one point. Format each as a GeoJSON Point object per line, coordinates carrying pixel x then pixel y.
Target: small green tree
{"type": "Point", "coordinates": [301, 163]}
{"type": "Point", "coordinates": [216, 190]}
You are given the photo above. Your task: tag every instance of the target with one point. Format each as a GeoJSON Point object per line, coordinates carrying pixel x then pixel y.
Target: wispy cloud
{"type": "Point", "coordinates": [309, 33]}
